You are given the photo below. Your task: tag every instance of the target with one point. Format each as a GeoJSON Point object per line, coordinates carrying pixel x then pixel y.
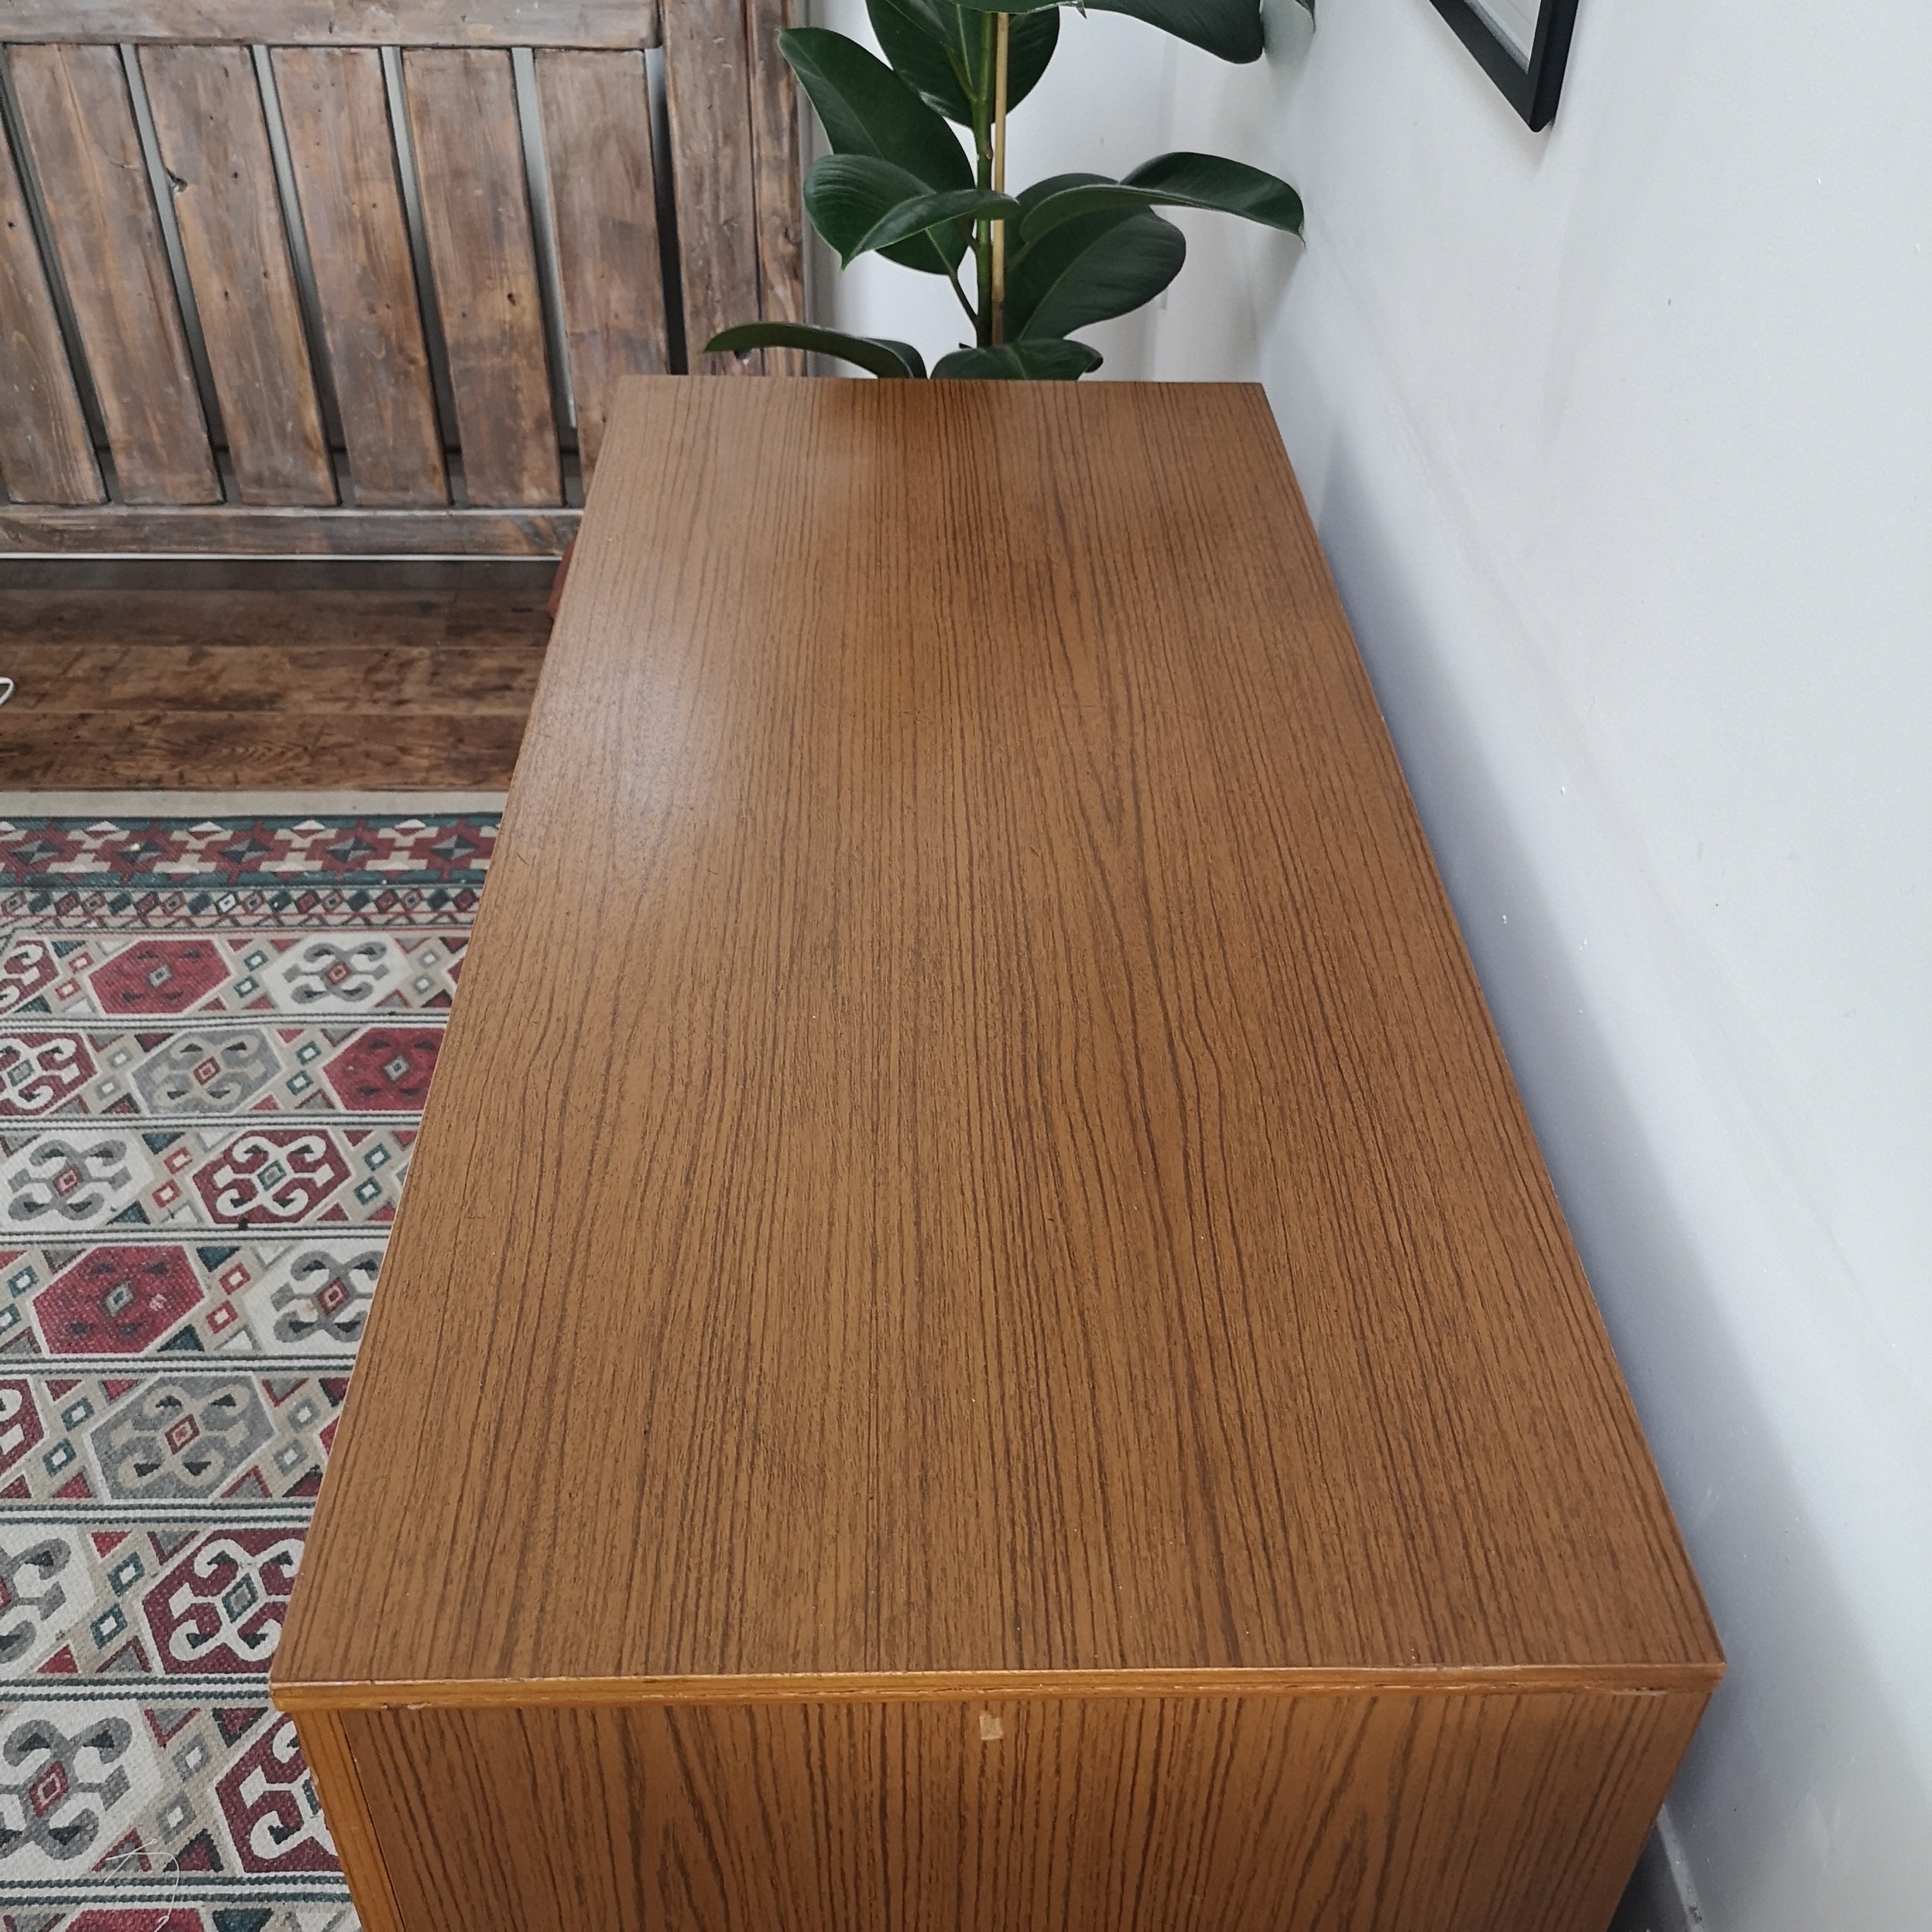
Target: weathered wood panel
{"type": "Point", "coordinates": [597, 139]}
{"type": "Point", "coordinates": [240, 531]}
{"type": "Point", "coordinates": [46, 454]}
{"type": "Point", "coordinates": [342, 153]}
{"type": "Point", "coordinates": [706, 59]}
{"type": "Point", "coordinates": [775, 177]}
{"type": "Point", "coordinates": [735, 125]}
{"type": "Point", "coordinates": [214, 140]}
{"type": "Point", "coordinates": [79, 126]}
{"type": "Point", "coordinates": [475, 202]}
{"type": "Point", "coordinates": [497, 23]}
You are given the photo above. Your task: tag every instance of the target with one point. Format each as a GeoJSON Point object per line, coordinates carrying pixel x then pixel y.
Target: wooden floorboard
{"type": "Point", "coordinates": [290, 616]}
{"type": "Point", "coordinates": [263, 685]}
{"type": "Point", "coordinates": [491, 679]}
{"type": "Point", "coordinates": [251, 751]}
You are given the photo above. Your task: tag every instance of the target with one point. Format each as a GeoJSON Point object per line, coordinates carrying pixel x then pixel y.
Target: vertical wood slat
{"type": "Point", "coordinates": [597, 140]}
{"type": "Point", "coordinates": [706, 63]}
{"type": "Point", "coordinates": [469, 165]}
{"type": "Point", "coordinates": [214, 141]}
{"type": "Point", "coordinates": [774, 165]}
{"type": "Point", "coordinates": [342, 152]}
{"type": "Point", "coordinates": [79, 121]}
{"type": "Point", "coordinates": [45, 454]}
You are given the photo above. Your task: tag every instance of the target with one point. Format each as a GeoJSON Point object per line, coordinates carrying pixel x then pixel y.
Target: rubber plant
{"type": "Point", "coordinates": [1069, 251]}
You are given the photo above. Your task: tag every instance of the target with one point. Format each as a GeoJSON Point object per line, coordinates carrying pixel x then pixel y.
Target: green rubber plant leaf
{"type": "Point", "coordinates": [848, 195]}
{"type": "Point", "coordinates": [1230, 28]}
{"type": "Point", "coordinates": [1029, 50]}
{"type": "Point", "coordinates": [936, 47]}
{"type": "Point", "coordinates": [1095, 266]}
{"type": "Point", "coordinates": [1176, 181]}
{"type": "Point", "coordinates": [870, 113]}
{"type": "Point", "coordinates": [927, 212]}
{"type": "Point", "coordinates": [882, 356]}
{"type": "Point", "coordinates": [925, 40]}
{"type": "Point", "coordinates": [938, 19]}
{"type": "Point", "coordinates": [1044, 361]}
{"type": "Point", "coordinates": [868, 109]}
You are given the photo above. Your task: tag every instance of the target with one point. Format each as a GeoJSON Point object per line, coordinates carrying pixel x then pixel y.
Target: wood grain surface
{"type": "Point", "coordinates": [252, 689]}
{"type": "Point", "coordinates": [116, 749]}
{"type": "Point", "coordinates": [597, 139]}
{"type": "Point", "coordinates": [777, 174]}
{"type": "Point", "coordinates": [970, 1143]}
{"type": "Point", "coordinates": [241, 530]}
{"type": "Point", "coordinates": [707, 63]}
{"type": "Point", "coordinates": [342, 155]}
{"type": "Point", "coordinates": [324, 1747]}
{"type": "Point", "coordinates": [214, 142]}
{"type": "Point", "coordinates": [436, 23]}
{"type": "Point", "coordinates": [1493, 1813]}
{"type": "Point", "coordinates": [324, 679]}
{"type": "Point", "coordinates": [47, 455]}
{"type": "Point", "coordinates": [303, 605]}
{"type": "Point", "coordinates": [469, 166]}
{"type": "Point", "coordinates": [79, 124]}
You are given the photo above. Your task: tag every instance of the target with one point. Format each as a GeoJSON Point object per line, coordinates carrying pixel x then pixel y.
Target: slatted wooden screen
{"type": "Point", "coordinates": [357, 277]}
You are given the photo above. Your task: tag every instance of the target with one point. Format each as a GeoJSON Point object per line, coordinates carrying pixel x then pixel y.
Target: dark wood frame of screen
{"type": "Point", "coordinates": [1531, 91]}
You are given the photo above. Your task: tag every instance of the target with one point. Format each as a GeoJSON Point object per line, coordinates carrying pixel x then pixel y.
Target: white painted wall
{"type": "Point", "coordinates": [1619, 439]}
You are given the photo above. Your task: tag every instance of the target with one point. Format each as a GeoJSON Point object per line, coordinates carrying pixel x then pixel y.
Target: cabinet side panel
{"type": "Point", "coordinates": [325, 1750]}
{"type": "Point", "coordinates": [1450, 1814]}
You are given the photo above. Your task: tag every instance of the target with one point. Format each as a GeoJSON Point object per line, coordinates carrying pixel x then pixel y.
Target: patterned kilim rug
{"type": "Point", "coordinates": [215, 1035]}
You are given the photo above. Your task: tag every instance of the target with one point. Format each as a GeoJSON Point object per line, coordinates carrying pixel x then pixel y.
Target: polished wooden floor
{"type": "Point", "coordinates": [209, 677]}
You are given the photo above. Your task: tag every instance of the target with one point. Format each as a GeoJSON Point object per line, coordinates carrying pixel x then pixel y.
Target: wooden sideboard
{"type": "Point", "coordinates": [977, 1338]}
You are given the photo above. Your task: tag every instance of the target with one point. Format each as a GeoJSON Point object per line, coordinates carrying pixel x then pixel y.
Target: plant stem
{"type": "Point", "coordinates": [982, 144]}
{"type": "Point", "coordinates": [998, 290]}
{"type": "Point", "coordinates": [952, 276]}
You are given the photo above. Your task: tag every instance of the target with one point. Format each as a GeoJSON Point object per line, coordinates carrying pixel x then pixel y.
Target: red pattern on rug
{"type": "Point", "coordinates": [215, 1039]}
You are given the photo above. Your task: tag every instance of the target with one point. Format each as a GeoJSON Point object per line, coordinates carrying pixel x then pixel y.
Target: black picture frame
{"type": "Point", "coordinates": [1532, 90]}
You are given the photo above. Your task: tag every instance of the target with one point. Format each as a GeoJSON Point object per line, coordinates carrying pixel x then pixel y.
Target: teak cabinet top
{"type": "Point", "coordinates": [969, 1149]}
